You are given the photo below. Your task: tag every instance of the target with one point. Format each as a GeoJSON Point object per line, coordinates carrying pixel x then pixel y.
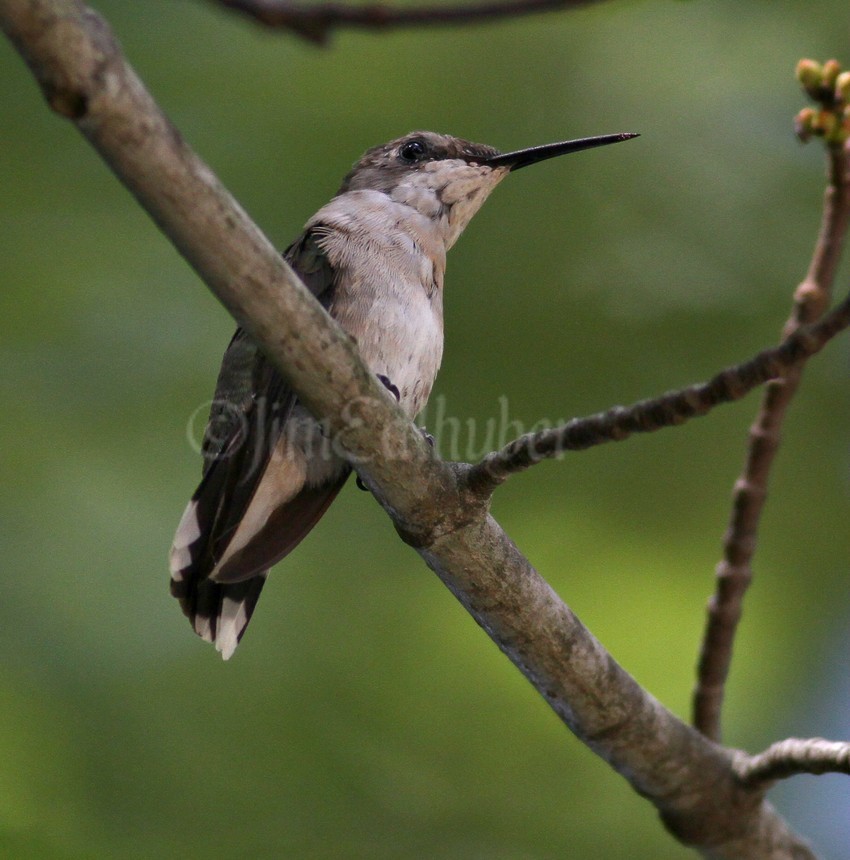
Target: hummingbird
{"type": "Point", "coordinates": [375, 258]}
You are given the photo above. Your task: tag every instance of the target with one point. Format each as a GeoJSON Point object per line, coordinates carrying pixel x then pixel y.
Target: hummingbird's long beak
{"type": "Point", "coordinates": [524, 157]}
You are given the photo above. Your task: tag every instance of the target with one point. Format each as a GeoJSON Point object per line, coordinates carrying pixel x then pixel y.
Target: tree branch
{"type": "Point", "coordinates": [669, 410]}
{"type": "Point", "coordinates": [690, 780]}
{"type": "Point", "coordinates": [734, 571]}
{"type": "Point", "coordinates": [316, 22]}
{"type": "Point", "coordinates": [794, 756]}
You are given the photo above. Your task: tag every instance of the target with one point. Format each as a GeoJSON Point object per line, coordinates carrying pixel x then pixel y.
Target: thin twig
{"type": "Point", "coordinates": [669, 410]}
{"type": "Point", "coordinates": [316, 23]}
{"type": "Point", "coordinates": [734, 571]}
{"type": "Point", "coordinates": [791, 757]}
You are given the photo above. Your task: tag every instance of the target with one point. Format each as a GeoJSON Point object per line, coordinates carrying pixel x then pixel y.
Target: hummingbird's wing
{"type": "Point", "coordinates": [251, 406]}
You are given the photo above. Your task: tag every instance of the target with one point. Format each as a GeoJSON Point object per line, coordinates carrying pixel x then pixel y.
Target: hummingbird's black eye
{"type": "Point", "coordinates": [413, 150]}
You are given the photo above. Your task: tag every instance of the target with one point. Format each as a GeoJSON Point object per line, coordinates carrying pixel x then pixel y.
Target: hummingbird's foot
{"type": "Point", "coordinates": [393, 389]}
{"type": "Point", "coordinates": [385, 381]}
{"type": "Point", "coordinates": [425, 435]}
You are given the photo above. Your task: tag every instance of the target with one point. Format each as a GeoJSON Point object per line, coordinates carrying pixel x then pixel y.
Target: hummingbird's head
{"type": "Point", "coordinates": [445, 178]}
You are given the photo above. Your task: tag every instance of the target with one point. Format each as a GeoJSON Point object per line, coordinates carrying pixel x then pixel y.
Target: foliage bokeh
{"type": "Point", "coordinates": [365, 714]}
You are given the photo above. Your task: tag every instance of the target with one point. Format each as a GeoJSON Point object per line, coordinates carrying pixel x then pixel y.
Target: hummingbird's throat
{"type": "Point", "coordinates": [449, 192]}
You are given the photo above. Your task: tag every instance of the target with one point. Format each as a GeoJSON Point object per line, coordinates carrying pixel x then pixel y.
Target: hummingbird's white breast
{"type": "Point", "coordinates": [390, 260]}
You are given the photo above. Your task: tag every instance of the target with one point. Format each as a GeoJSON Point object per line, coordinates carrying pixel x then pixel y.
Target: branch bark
{"type": "Point", "coordinates": [316, 22]}
{"type": "Point", "coordinates": [793, 756]}
{"type": "Point", "coordinates": [691, 781]}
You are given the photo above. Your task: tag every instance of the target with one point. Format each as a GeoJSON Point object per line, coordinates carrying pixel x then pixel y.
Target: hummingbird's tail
{"type": "Point", "coordinates": [219, 588]}
{"type": "Point", "coordinates": [269, 475]}
{"type": "Point", "coordinates": [219, 612]}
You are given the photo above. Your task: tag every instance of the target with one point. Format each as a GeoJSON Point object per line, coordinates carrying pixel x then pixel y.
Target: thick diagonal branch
{"type": "Point", "coordinates": [316, 22]}
{"type": "Point", "coordinates": [690, 780]}
{"type": "Point", "coordinates": [734, 571]}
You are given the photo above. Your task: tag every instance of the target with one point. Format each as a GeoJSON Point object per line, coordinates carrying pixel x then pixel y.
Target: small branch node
{"type": "Point", "coordinates": [791, 757]}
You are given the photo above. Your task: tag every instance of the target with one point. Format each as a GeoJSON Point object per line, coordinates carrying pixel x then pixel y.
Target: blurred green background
{"type": "Point", "coordinates": [365, 715]}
